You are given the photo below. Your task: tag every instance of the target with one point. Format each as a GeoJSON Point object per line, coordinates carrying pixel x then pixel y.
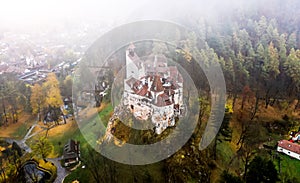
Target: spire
{"type": "Point", "coordinates": [131, 47]}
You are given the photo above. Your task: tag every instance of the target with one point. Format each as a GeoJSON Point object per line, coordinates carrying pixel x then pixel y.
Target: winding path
{"type": "Point", "coordinates": [61, 172]}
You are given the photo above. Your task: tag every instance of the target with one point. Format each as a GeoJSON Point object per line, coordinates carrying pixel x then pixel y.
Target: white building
{"type": "Point", "coordinates": [153, 90]}
{"type": "Point", "coordinates": [289, 148]}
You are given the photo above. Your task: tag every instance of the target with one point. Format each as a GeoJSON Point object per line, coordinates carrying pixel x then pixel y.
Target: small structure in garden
{"type": "Point", "coordinates": [71, 154]}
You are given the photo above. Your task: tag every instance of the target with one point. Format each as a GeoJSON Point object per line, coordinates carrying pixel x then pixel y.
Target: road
{"type": "Point", "coordinates": [61, 172]}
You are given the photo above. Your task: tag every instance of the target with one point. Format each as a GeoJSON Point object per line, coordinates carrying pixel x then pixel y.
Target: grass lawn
{"type": "Point", "coordinates": [21, 131]}
{"type": "Point", "coordinates": [289, 167]}
{"type": "Point", "coordinates": [225, 153]}
{"type": "Point", "coordinates": [123, 173]}
{"type": "Point", "coordinates": [106, 113]}
{"type": "Point", "coordinates": [60, 140]}
{"type": "Point", "coordinates": [88, 134]}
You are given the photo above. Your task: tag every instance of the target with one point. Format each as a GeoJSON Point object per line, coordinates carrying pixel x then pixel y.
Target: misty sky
{"type": "Point", "coordinates": [26, 13]}
{"type": "Point", "coordinates": [29, 14]}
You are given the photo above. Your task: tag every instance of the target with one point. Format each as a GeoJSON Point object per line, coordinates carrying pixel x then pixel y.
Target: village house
{"type": "Point", "coordinates": [152, 89]}
{"type": "Point", "coordinates": [289, 148]}
{"type": "Point", "coordinates": [71, 154]}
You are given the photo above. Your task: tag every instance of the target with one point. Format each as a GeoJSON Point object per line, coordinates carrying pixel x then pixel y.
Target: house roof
{"type": "Point", "coordinates": [294, 147]}
{"type": "Point", "coordinates": [143, 91]}
{"type": "Point", "coordinates": [163, 100]}
{"type": "Point", "coordinates": [157, 85]}
{"type": "Point", "coordinates": [131, 81]}
{"type": "Point", "coordinates": [71, 149]}
{"type": "Point", "coordinates": [169, 92]}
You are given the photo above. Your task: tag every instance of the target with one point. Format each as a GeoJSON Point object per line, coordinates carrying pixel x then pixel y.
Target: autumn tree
{"type": "Point", "coordinates": [53, 96]}
{"type": "Point", "coordinates": [11, 96]}
{"type": "Point", "coordinates": [37, 100]}
{"type": "Point", "coordinates": [66, 86]}
{"type": "Point", "coordinates": [42, 148]}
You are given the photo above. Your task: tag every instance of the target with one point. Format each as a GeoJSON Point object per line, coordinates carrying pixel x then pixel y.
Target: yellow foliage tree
{"type": "Point", "coordinates": [42, 148]}
{"type": "Point", "coordinates": [53, 96]}
{"type": "Point", "coordinates": [37, 99]}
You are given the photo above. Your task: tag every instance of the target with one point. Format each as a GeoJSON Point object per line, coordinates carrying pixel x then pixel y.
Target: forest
{"type": "Point", "coordinates": [258, 49]}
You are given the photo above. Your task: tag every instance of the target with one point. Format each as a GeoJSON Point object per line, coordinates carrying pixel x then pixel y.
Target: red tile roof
{"type": "Point", "coordinates": [143, 91]}
{"type": "Point", "coordinates": [163, 100]}
{"type": "Point", "coordinates": [294, 147]}
{"type": "Point", "coordinates": [157, 85]}
{"type": "Point", "coordinates": [131, 82]}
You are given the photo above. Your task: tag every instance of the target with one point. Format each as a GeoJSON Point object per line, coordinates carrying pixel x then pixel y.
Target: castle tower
{"type": "Point", "coordinates": [131, 67]}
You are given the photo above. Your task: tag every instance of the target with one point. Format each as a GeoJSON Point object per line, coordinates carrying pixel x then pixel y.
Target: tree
{"type": "Point", "coordinates": [292, 68]}
{"type": "Point", "coordinates": [3, 176]}
{"type": "Point", "coordinates": [53, 96]}
{"type": "Point", "coordinates": [106, 172]}
{"type": "Point", "coordinates": [66, 88]}
{"type": "Point", "coordinates": [261, 170]}
{"type": "Point", "coordinates": [42, 148]}
{"type": "Point", "coordinates": [272, 66]}
{"type": "Point", "coordinates": [261, 26]}
{"type": "Point", "coordinates": [241, 75]}
{"type": "Point", "coordinates": [11, 96]}
{"type": "Point", "coordinates": [13, 166]}
{"type": "Point", "coordinates": [53, 99]}
{"type": "Point", "coordinates": [224, 134]}
{"type": "Point", "coordinates": [292, 41]}
{"type": "Point", "coordinates": [37, 100]}
{"type": "Point", "coordinates": [204, 107]}
{"type": "Point", "coordinates": [271, 71]}
{"type": "Point", "coordinates": [227, 177]}
{"type": "Point", "coordinates": [159, 48]}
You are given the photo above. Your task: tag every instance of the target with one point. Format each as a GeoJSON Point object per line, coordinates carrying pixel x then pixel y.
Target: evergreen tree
{"type": "Point", "coordinates": [292, 41]}
{"type": "Point", "coordinates": [272, 64]}
{"type": "Point", "coordinates": [227, 177]}
{"type": "Point", "coordinates": [261, 170]}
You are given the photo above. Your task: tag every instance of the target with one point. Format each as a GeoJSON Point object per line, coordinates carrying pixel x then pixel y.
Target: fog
{"type": "Point", "coordinates": [36, 16]}
{"type": "Point", "coordinates": [32, 14]}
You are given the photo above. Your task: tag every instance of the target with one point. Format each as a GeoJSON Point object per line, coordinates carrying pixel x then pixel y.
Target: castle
{"type": "Point", "coordinates": [152, 89]}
